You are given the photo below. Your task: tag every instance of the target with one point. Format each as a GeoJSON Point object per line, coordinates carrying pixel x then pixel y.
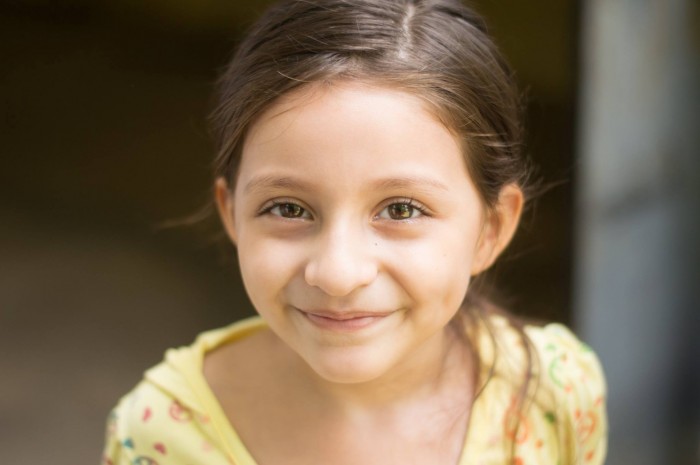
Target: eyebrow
{"type": "Point", "coordinates": [285, 182]}
{"type": "Point", "coordinates": [409, 182]}
{"type": "Point", "coordinates": [276, 182]}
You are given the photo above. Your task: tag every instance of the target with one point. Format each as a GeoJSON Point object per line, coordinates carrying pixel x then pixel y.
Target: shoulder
{"type": "Point", "coordinates": [570, 392]}
{"type": "Point", "coordinates": [566, 362]}
{"type": "Point", "coordinates": [151, 426]}
{"type": "Point", "coordinates": [546, 390]}
{"type": "Point", "coordinates": [167, 417]}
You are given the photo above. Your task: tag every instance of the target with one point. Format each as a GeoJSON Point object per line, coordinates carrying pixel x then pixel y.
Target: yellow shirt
{"type": "Point", "coordinates": [172, 417]}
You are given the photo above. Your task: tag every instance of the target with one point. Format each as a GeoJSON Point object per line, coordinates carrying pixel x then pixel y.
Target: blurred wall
{"type": "Point", "coordinates": [639, 222]}
{"type": "Point", "coordinates": [103, 137]}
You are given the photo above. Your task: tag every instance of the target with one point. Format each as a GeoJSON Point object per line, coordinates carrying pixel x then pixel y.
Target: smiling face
{"type": "Point", "coordinates": [357, 227]}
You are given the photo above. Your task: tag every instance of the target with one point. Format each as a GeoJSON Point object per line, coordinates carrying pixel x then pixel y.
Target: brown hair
{"type": "Point", "coordinates": [438, 50]}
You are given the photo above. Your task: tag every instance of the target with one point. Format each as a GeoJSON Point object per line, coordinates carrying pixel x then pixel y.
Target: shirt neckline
{"type": "Point", "coordinates": [235, 449]}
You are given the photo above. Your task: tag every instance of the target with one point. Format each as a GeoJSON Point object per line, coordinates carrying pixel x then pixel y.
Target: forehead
{"type": "Point", "coordinates": [357, 89]}
{"type": "Point", "coordinates": [363, 131]}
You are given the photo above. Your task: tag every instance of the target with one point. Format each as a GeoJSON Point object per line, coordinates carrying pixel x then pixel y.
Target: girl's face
{"type": "Point", "coordinates": [358, 228]}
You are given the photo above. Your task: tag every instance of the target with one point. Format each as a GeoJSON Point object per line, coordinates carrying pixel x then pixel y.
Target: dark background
{"type": "Point", "coordinates": [103, 139]}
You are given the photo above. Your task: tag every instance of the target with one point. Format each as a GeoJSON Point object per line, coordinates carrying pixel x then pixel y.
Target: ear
{"type": "Point", "coordinates": [499, 227]}
{"type": "Point", "coordinates": [224, 204]}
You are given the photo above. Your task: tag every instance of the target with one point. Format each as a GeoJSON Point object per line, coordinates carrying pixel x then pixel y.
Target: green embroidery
{"type": "Point", "coordinates": [552, 369]}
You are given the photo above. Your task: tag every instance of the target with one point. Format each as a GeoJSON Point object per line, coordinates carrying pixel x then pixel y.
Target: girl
{"type": "Point", "coordinates": [369, 167]}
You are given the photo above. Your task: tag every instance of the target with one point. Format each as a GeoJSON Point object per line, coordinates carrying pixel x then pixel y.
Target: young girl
{"type": "Point", "coordinates": [369, 167]}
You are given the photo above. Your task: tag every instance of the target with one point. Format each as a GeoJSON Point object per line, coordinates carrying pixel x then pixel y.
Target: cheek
{"type": "Point", "coordinates": [267, 266]}
{"type": "Point", "coordinates": [437, 269]}
{"type": "Point", "coordinates": [456, 249]}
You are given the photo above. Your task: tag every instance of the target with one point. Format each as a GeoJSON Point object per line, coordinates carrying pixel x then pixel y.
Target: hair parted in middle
{"type": "Point", "coordinates": [438, 50]}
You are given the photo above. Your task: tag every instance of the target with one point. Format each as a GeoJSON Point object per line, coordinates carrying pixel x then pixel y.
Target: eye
{"type": "Point", "coordinates": [286, 210]}
{"type": "Point", "coordinates": [289, 210]}
{"type": "Point", "coordinates": [404, 210]}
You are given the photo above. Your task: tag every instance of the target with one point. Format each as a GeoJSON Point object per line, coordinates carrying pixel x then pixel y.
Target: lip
{"type": "Point", "coordinates": [344, 321]}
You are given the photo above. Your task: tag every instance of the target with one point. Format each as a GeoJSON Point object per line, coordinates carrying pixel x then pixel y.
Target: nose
{"type": "Point", "coordinates": [341, 262]}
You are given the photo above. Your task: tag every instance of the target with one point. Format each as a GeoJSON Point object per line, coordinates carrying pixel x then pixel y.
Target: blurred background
{"type": "Point", "coordinates": [104, 139]}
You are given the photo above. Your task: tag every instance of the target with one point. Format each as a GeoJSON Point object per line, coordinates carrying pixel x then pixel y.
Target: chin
{"type": "Point", "coordinates": [348, 368]}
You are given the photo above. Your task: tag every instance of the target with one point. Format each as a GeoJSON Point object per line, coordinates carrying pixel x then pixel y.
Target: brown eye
{"type": "Point", "coordinates": [289, 210]}
{"type": "Point", "coordinates": [401, 211]}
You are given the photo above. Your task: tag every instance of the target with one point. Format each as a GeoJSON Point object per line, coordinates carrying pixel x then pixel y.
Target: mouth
{"type": "Point", "coordinates": [344, 321]}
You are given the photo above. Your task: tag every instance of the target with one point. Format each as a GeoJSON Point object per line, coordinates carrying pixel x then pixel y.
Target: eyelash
{"type": "Point", "coordinates": [268, 207]}
{"type": "Point", "coordinates": [422, 209]}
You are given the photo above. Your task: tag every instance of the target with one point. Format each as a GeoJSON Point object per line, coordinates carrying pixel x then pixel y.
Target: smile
{"type": "Point", "coordinates": [344, 321]}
